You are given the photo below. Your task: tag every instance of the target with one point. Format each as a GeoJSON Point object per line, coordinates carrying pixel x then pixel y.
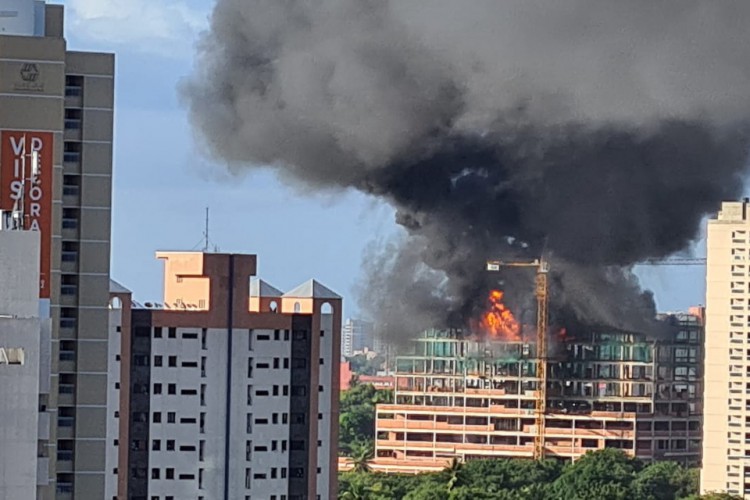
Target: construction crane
{"type": "Point", "coordinates": [675, 262]}
{"type": "Point", "coordinates": [542, 298]}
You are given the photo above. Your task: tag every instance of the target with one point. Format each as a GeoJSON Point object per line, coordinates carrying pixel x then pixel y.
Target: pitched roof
{"type": "Point", "coordinates": [312, 289]}
{"type": "Point", "coordinates": [260, 288]}
{"type": "Point", "coordinates": [115, 287]}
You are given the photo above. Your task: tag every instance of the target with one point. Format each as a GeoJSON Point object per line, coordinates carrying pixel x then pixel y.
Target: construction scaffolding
{"type": "Point", "coordinates": [473, 397]}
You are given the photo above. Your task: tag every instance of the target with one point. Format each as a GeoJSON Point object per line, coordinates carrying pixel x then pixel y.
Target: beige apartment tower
{"type": "Point", "coordinates": [726, 428]}
{"type": "Point", "coordinates": [56, 111]}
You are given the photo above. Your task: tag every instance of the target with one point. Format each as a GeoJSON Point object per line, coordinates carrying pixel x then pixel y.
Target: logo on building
{"type": "Point", "coordinates": [29, 72]}
{"type": "Point", "coordinates": [30, 80]}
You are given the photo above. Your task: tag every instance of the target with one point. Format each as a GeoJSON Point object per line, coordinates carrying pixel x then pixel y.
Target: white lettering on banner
{"type": "Point", "coordinates": [34, 192]}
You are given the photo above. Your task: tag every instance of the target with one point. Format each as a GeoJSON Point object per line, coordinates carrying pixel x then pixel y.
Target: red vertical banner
{"type": "Point", "coordinates": [20, 184]}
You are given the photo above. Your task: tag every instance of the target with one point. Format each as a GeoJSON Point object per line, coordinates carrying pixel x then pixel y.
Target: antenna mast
{"type": "Point", "coordinates": [206, 244]}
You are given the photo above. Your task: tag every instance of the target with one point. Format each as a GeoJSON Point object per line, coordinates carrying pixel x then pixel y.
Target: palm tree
{"type": "Point", "coordinates": [453, 471]}
{"type": "Point", "coordinates": [361, 454]}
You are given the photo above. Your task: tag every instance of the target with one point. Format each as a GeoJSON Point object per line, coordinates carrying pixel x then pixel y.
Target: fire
{"type": "Point", "coordinates": [499, 320]}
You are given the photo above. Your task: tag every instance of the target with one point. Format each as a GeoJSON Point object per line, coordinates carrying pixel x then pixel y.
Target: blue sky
{"type": "Point", "coordinates": [162, 184]}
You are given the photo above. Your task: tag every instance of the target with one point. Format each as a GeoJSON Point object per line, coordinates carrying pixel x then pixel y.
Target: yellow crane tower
{"type": "Point", "coordinates": [542, 298]}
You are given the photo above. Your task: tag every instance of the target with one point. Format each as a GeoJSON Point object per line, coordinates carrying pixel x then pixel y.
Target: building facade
{"type": "Point", "coordinates": [24, 368]}
{"type": "Point", "coordinates": [356, 335]}
{"type": "Point", "coordinates": [56, 111]}
{"type": "Point", "coordinates": [232, 386]}
{"type": "Point", "coordinates": [472, 398]}
{"type": "Point", "coordinates": [726, 443]}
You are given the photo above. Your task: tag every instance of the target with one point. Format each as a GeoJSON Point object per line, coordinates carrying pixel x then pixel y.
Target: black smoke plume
{"type": "Point", "coordinates": [597, 133]}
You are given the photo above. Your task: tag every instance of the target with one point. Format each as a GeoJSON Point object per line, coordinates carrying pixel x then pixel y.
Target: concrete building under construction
{"type": "Point", "coordinates": [458, 396]}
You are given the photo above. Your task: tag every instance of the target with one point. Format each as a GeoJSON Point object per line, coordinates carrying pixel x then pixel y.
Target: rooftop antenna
{"type": "Point", "coordinates": [205, 234]}
{"type": "Point", "coordinates": [207, 244]}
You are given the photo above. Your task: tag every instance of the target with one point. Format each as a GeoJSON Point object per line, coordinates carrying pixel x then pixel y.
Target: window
{"type": "Point", "coordinates": [170, 444]}
{"type": "Point", "coordinates": [157, 332]}
{"type": "Point", "coordinates": [276, 335]}
{"type": "Point", "coordinates": [157, 388]}
{"type": "Point", "coordinates": [169, 474]}
{"type": "Point", "coordinates": [275, 391]}
{"type": "Point", "coordinates": [299, 335]}
{"type": "Point", "coordinates": [157, 417]}
{"type": "Point", "coordinates": [157, 360]}
{"type": "Point", "coordinates": [156, 445]}
{"type": "Point", "coordinates": [171, 417]}
{"type": "Point", "coordinates": [154, 473]}
{"type": "Point", "coordinates": [299, 390]}
{"type": "Point", "coordinates": [172, 333]}
{"type": "Point", "coordinates": [276, 362]}
{"type": "Point", "coordinates": [173, 361]}
{"type": "Point", "coordinates": [172, 389]}
{"type": "Point", "coordinates": [297, 444]}
{"type": "Point", "coordinates": [204, 333]}
{"type": "Point", "coordinates": [299, 363]}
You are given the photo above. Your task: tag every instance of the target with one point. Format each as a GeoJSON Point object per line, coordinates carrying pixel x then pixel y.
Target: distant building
{"type": "Point", "coordinates": [477, 398]}
{"type": "Point", "coordinates": [356, 335]}
{"type": "Point", "coordinates": [726, 427]}
{"type": "Point", "coordinates": [24, 369]}
{"type": "Point", "coordinates": [58, 104]}
{"type": "Point", "coordinates": [230, 387]}
{"type": "Point", "coordinates": [380, 382]}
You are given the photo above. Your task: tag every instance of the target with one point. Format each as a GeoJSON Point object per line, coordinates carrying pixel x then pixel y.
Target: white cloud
{"type": "Point", "coordinates": [165, 27]}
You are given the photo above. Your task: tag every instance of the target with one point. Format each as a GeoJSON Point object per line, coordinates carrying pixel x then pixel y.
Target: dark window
{"type": "Point", "coordinates": [171, 417]}
{"type": "Point", "coordinates": [157, 417]}
{"type": "Point", "coordinates": [297, 472]}
{"type": "Point", "coordinates": [157, 332]}
{"type": "Point", "coordinates": [157, 388]}
{"type": "Point", "coordinates": [172, 333]}
{"type": "Point", "coordinates": [154, 473]}
{"type": "Point", "coordinates": [170, 444]}
{"type": "Point", "coordinates": [299, 390]}
{"type": "Point", "coordinates": [173, 361]}
{"type": "Point", "coordinates": [156, 445]}
{"type": "Point", "coordinates": [299, 363]}
{"type": "Point", "coordinates": [157, 360]}
{"type": "Point", "coordinates": [169, 474]}
{"type": "Point", "coordinates": [297, 444]}
{"type": "Point", "coordinates": [299, 335]}
{"type": "Point", "coordinates": [172, 389]}
{"type": "Point", "coordinates": [140, 360]}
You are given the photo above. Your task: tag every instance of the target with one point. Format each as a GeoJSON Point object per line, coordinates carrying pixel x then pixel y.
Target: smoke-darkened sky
{"type": "Point", "coordinates": [595, 132]}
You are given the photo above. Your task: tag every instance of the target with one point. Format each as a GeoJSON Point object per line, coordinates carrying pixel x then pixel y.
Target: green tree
{"type": "Point", "coordinates": [357, 415]}
{"type": "Point", "coordinates": [361, 452]}
{"type": "Point", "coordinates": [663, 481]}
{"type": "Point", "coordinates": [605, 473]}
{"type": "Point", "coordinates": [363, 365]}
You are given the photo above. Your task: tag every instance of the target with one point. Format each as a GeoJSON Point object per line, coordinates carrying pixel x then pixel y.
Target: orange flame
{"type": "Point", "coordinates": [499, 320]}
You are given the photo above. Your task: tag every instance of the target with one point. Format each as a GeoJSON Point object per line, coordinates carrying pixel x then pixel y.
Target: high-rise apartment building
{"type": "Point", "coordinates": [471, 397]}
{"type": "Point", "coordinates": [356, 335]}
{"type": "Point", "coordinates": [726, 427]}
{"type": "Point", "coordinates": [56, 110]}
{"type": "Point", "coordinates": [229, 387]}
{"type": "Point", "coordinates": [24, 367]}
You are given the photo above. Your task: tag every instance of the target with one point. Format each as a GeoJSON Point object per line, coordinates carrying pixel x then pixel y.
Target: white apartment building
{"type": "Point", "coordinates": [356, 335]}
{"type": "Point", "coordinates": [726, 427]}
{"type": "Point", "coordinates": [236, 398]}
{"type": "Point", "coordinates": [24, 369]}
